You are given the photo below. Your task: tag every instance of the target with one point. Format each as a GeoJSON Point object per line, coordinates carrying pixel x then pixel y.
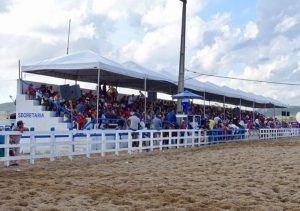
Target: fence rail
{"type": "Point", "coordinates": [265, 134]}
{"type": "Point", "coordinates": [54, 144]}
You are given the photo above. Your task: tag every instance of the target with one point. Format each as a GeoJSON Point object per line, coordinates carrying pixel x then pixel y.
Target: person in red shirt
{"type": "Point", "coordinates": [81, 121]}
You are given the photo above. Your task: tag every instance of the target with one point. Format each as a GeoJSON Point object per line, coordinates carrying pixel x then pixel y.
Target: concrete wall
{"type": "Point", "coordinates": [35, 116]}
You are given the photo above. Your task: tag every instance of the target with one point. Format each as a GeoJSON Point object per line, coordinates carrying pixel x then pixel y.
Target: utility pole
{"type": "Point", "coordinates": [69, 31]}
{"type": "Point", "coordinates": [182, 55]}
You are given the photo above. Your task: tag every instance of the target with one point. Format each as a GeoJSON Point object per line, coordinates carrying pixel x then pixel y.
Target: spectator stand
{"type": "Point", "coordinates": [41, 96]}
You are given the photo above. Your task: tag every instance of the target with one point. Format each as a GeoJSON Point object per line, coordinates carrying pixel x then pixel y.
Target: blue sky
{"type": "Point", "coordinates": [241, 11]}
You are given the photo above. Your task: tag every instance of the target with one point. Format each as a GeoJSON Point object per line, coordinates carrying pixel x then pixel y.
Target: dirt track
{"type": "Point", "coordinates": [241, 176]}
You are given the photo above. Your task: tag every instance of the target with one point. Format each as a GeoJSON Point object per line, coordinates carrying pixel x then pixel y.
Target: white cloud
{"type": "Point", "coordinates": [251, 31]}
{"type": "Point", "coordinates": [286, 24]}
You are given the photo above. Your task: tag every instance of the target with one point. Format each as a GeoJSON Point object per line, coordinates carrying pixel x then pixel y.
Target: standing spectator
{"type": "Point", "coordinates": [15, 139]}
{"type": "Point", "coordinates": [104, 91]}
{"type": "Point", "coordinates": [141, 96]}
{"type": "Point", "coordinates": [156, 122]}
{"type": "Point", "coordinates": [130, 101]}
{"type": "Point", "coordinates": [171, 117]}
{"type": "Point", "coordinates": [133, 123]}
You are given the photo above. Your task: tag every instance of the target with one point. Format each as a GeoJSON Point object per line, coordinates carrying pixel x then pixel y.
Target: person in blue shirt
{"type": "Point", "coordinates": [171, 116]}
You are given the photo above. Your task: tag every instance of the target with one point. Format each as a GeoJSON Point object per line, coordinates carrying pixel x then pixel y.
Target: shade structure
{"type": "Point", "coordinates": [186, 95]}
{"type": "Point", "coordinates": [84, 66]}
{"type": "Point", "coordinates": [88, 66]}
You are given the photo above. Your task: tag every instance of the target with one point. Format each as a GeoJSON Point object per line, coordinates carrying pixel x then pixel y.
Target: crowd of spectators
{"type": "Point", "coordinates": [127, 111]}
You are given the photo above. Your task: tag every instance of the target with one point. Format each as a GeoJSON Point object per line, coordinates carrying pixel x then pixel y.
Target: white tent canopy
{"type": "Point", "coordinates": [85, 66]}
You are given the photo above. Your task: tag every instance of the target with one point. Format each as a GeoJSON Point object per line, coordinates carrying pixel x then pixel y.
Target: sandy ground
{"type": "Point", "coordinates": [240, 176]}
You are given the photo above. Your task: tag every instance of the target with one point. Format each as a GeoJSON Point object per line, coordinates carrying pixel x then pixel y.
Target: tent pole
{"type": "Point", "coordinates": [224, 107]}
{"type": "Point", "coordinates": [98, 84]}
{"type": "Point", "coordinates": [204, 104]}
{"type": "Point", "coordinates": [19, 65]}
{"type": "Point", "coordinates": [240, 108]}
{"type": "Point", "coordinates": [145, 103]}
{"type": "Point", "coordinates": [253, 112]}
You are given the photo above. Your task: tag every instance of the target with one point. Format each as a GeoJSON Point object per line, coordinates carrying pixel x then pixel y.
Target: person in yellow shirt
{"type": "Point", "coordinates": [211, 124]}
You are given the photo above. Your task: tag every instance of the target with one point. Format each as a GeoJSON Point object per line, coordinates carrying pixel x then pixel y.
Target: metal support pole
{"type": "Point", "coordinates": [145, 103]}
{"type": "Point", "coordinates": [19, 65]}
{"type": "Point", "coordinates": [97, 112]}
{"type": "Point", "coordinates": [69, 36]}
{"type": "Point", "coordinates": [240, 109]}
{"type": "Point", "coordinates": [204, 102]}
{"type": "Point", "coordinates": [253, 116]}
{"type": "Point", "coordinates": [224, 108]}
{"type": "Point", "coordinates": [182, 55]}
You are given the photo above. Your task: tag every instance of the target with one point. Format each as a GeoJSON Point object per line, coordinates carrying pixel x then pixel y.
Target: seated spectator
{"type": "Point", "coordinates": [67, 117]}
{"type": "Point", "coordinates": [79, 106]}
{"type": "Point", "coordinates": [81, 121]}
{"type": "Point", "coordinates": [113, 93]}
{"type": "Point", "coordinates": [30, 91]}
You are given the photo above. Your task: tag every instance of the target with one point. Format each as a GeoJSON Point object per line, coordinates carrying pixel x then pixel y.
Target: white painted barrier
{"type": "Point", "coordinates": [53, 144]}
{"type": "Point", "coordinates": [269, 133]}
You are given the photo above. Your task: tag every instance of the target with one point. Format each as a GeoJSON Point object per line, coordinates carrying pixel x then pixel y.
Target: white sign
{"type": "Point", "coordinates": [30, 115]}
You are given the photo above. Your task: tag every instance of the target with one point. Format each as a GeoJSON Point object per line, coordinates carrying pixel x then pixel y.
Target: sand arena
{"type": "Point", "coordinates": [253, 175]}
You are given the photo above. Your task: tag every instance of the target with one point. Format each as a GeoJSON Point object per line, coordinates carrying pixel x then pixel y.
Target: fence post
{"type": "Point", "coordinates": [71, 146]}
{"type": "Point", "coordinates": [6, 150]}
{"type": "Point", "coordinates": [117, 143]}
{"type": "Point", "coordinates": [178, 134]}
{"type": "Point", "coordinates": [185, 134]}
{"type": "Point", "coordinates": [161, 142]}
{"type": "Point", "coordinates": [88, 145]}
{"type": "Point", "coordinates": [53, 147]}
{"type": "Point", "coordinates": [32, 148]}
{"type": "Point", "coordinates": [193, 138]}
{"type": "Point", "coordinates": [151, 140]}
{"type": "Point", "coordinates": [103, 144]}
{"type": "Point", "coordinates": [140, 137]}
{"type": "Point", "coordinates": [129, 142]}
{"type": "Point", "coordinates": [170, 143]}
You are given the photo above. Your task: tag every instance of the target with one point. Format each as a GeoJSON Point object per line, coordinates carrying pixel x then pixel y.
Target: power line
{"type": "Point", "coordinates": [244, 79]}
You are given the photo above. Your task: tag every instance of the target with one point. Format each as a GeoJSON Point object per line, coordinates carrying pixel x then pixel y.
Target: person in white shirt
{"type": "Point", "coordinates": [216, 120]}
{"type": "Point", "coordinates": [133, 122]}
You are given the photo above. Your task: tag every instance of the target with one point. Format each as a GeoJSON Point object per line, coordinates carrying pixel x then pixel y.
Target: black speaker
{"type": "Point", "coordinates": [283, 113]}
{"type": "Point", "coordinates": [65, 91]}
{"type": "Point", "coordinates": [152, 96]}
{"type": "Point", "coordinates": [287, 113]}
{"type": "Point", "coordinates": [75, 92]}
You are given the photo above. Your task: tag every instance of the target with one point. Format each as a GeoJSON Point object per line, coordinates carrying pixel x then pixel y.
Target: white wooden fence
{"type": "Point", "coordinates": [265, 134]}
{"type": "Point", "coordinates": [37, 145]}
